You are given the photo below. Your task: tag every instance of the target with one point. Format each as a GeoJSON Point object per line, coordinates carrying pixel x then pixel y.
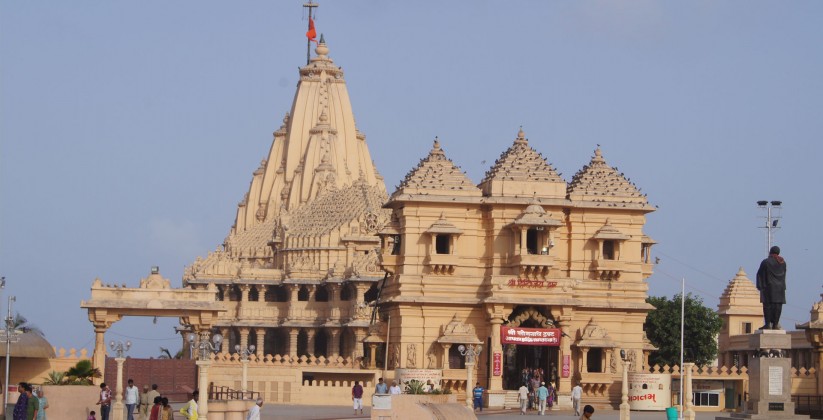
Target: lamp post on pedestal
{"type": "Point", "coordinates": [204, 350]}
{"type": "Point", "coordinates": [119, 348]}
{"type": "Point", "coordinates": [470, 352]}
{"type": "Point", "coordinates": [8, 335]}
{"type": "Point", "coordinates": [625, 412]}
{"type": "Point", "coordinates": [244, 353]}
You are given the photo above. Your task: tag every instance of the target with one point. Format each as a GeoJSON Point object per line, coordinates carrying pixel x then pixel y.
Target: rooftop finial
{"type": "Point", "coordinates": [322, 50]}
{"type": "Point", "coordinates": [598, 155]}
{"type": "Point", "coordinates": [521, 137]}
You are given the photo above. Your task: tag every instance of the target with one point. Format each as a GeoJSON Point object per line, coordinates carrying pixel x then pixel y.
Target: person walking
{"type": "Point", "coordinates": [145, 402]}
{"type": "Point", "coordinates": [254, 411]}
{"type": "Point", "coordinates": [166, 412]}
{"type": "Point", "coordinates": [190, 409]}
{"type": "Point", "coordinates": [357, 397]}
{"type": "Point", "coordinates": [577, 395]}
{"type": "Point", "coordinates": [19, 412]}
{"type": "Point", "coordinates": [153, 395]}
{"type": "Point", "coordinates": [105, 401]}
{"type": "Point", "coordinates": [523, 398]}
{"type": "Point", "coordinates": [154, 414]}
{"type": "Point", "coordinates": [381, 387]}
{"type": "Point", "coordinates": [542, 395]}
{"type": "Point", "coordinates": [477, 396]}
{"type": "Point", "coordinates": [44, 404]}
{"type": "Point", "coordinates": [395, 390]}
{"type": "Point", "coordinates": [587, 412]}
{"type": "Point", "coordinates": [132, 398]}
{"type": "Point", "coordinates": [32, 404]}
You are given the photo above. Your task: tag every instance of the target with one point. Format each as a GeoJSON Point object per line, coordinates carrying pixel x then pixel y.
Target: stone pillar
{"type": "Point", "coordinates": [333, 290]}
{"type": "Point", "coordinates": [584, 366]}
{"type": "Point", "coordinates": [294, 289]}
{"type": "Point", "coordinates": [244, 292]}
{"type": "Point", "coordinates": [260, 351]}
{"type": "Point", "coordinates": [688, 408]}
{"type": "Point", "coordinates": [446, 348]}
{"type": "Point", "coordinates": [625, 413]}
{"type": "Point", "coordinates": [565, 384]}
{"type": "Point", "coordinates": [496, 382]}
{"type": "Point", "coordinates": [312, 289]}
{"type": "Point", "coordinates": [334, 342]}
{"type": "Point", "coordinates": [311, 333]}
{"type": "Point", "coordinates": [372, 355]}
{"type": "Point", "coordinates": [245, 377]}
{"type": "Point", "coordinates": [359, 336]}
{"type": "Point", "coordinates": [99, 356]}
{"type": "Point", "coordinates": [244, 338]}
{"type": "Point", "coordinates": [203, 387]}
{"type": "Point", "coordinates": [224, 331]}
{"type": "Point", "coordinates": [293, 342]}
{"type": "Point", "coordinates": [118, 408]}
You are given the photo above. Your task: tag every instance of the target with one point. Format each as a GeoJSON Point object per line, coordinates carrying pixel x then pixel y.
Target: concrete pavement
{"type": "Point", "coordinates": [302, 412]}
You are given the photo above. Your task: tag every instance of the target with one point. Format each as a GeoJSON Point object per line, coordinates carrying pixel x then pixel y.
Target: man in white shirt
{"type": "Point", "coordinates": [254, 411]}
{"type": "Point", "coordinates": [523, 397]}
{"type": "Point", "coordinates": [132, 398]}
{"type": "Point", "coordinates": [394, 389]}
{"type": "Point", "coordinates": [577, 394]}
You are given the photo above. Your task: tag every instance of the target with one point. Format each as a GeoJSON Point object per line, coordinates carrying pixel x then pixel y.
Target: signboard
{"type": "Point", "coordinates": [775, 380]}
{"type": "Point", "coordinates": [650, 391]}
{"type": "Point", "coordinates": [530, 336]}
{"type": "Point", "coordinates": [381, 402]}
{"type": "Point", "coordinates": [423, 375]}
{"type": "Point", "coordinates": [531, 284]}
{"type": "Point", "coordinates": [497, 364]}
{"type": "Point", "coordinates": [567, 366]}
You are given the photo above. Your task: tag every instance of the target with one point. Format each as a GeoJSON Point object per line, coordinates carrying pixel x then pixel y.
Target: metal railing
{"type": "Point", "coordinates": [224, 393]}
{"type": "Point", "coordinates": [810, 405]}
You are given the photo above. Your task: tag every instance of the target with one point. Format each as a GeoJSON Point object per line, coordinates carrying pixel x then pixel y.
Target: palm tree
{"type": "Point", "coordinates": [82, 373]}
{"type": "Point", "coordinates": [166, 354]}
{"type": "Point", "coordinates": [55, 378]}
{"type": "Point", "coordinates": [19, 322]}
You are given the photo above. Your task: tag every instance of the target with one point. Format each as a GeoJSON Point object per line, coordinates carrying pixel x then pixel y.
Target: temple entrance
{"type": "Point", "coordinates": [524, 362]}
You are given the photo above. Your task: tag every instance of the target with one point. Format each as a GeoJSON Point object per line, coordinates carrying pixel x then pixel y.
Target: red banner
{"type": "Point", "coordinates": [530, 336]}
{"type": "Point", "coordinates": [497, 364]}
{"type": "Point", "coordinates": [567, 366]}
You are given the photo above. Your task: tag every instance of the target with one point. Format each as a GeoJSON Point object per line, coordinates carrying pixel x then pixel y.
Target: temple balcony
{"type": "Point", "coordinates": [442, 264]}
{"type": "Point", "coordinates": [646, 270]}
{"type": "Point", "coordinates": [596, 383]}
{"type": "Point", "coordinates": [609, 269]}
{"type": "Point", "coordinates": [532, 265]}
{"type": "Point", "coordinates": [389, 262]}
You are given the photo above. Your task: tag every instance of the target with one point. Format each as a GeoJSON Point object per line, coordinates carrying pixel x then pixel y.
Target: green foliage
{"type": "Point", "coordinates": [701, 326]}
{"type": "Point", "coordinates": [415, 387]}
{"type": "Point", "coordinates": [21, 323]}
{"type": "Point", "coordinates": [55, 378]}
{"type": "Point", "coordinates": [166, 354]}
{"type": "Point", "coordinates": [82, 373]}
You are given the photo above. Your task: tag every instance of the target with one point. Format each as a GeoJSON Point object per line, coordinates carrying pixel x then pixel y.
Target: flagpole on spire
{"type": "Point", "coordinates": [311, 34]}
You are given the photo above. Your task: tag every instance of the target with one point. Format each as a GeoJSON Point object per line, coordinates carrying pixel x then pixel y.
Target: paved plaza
{"type": "Point", "coordinates": [295, 412]}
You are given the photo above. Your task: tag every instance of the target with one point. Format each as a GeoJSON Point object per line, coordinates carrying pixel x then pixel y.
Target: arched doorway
{"type": "Point", "coordinates": [526, 361]}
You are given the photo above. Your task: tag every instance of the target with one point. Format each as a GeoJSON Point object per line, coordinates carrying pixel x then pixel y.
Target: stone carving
{"type": "Point", "coordinates": [533, 314]}
{"type": "Point", "coordinates": [155, 281]}
{"type": "Point", "coordinates": [613, 363]}
{"type": "Point", "coordinates": [593, 330]}
{"type": "Point", "coordinates": [411, 356]}
{"type": "Point", "coordinates": [432, 360]}
{"type": "Point", "coordinates": [457, 328]}
{"type": "Point", "coordinates": [394, 356]}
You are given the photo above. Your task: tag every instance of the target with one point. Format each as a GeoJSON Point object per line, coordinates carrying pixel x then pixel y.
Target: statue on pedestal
{"type": "Point", "coordinates": [771, 281]}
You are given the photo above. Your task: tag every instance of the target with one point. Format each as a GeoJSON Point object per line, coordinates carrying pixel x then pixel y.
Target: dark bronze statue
{"type": "Point", "coordinates": [771, 281]}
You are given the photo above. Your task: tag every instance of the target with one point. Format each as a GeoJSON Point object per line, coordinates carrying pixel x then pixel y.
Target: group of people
{"type": "Point", "coordinates": [152, 406]}
{"type": "Point", "coordinates": [31, 404]}
{"type": "Point", "coordinates": [536, 398]}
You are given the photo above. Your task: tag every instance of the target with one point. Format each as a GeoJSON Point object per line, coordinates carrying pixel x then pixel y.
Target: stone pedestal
{"type": "Point", "coordinates": [770, 382]}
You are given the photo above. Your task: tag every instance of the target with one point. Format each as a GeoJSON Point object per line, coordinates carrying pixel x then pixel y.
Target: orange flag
{"type": "Point", "coordinates": [311, 34]}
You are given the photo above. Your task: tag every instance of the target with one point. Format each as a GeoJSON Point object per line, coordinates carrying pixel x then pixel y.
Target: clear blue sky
{"type": "Point", "coordinates": [130, 130]}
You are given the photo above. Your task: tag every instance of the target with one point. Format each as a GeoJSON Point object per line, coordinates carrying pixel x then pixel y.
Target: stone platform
{"type": "Point", "coordinates": [770, 382]}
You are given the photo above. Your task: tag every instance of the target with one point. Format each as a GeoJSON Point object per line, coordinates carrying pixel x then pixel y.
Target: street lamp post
{"type": "Point", "coordinates": [244, 353]}
{"type": "Point", "coordinates": [204, 350]}
{"type": "Point", "coordinates": [771, 219]}
{"type": "Point", "coordinates": [625, 412]}
{"type": "Point", "coordinates": [8, 335]}
{"type": "Point", "coordinates": [119, 348]}
{"type": "Point", "coordinates": [470, 352]}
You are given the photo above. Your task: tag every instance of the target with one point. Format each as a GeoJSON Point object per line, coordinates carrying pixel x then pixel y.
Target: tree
{"type": "Point", "coordinates": [166, 354]}
{"type": "Point", "coordinates": [19, 322]}
{"type": "Point", "coordinates": [82, 373]}
{"type": "Point", "coordinates": [701, 327]}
